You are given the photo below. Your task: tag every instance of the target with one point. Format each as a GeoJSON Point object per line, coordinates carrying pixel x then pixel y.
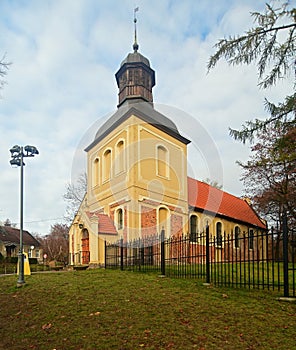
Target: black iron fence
{"type": "Point", "coordinates": [258, 259]}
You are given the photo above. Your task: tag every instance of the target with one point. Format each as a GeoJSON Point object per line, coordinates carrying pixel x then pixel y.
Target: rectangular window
{"type": "Point", "coordinates": [120, 219]}
{"type": "Point", "coordinates": [251, 239]}
{"type": "Point", "coordinates": [236, 237]}
{"type": "Point", "coordinates": [193, 229]}
{"type": "Point", "coordinates": [219, 234]}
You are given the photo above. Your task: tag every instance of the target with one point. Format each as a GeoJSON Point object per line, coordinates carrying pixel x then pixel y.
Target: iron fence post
{"type": "Point", "coordinates": [121, 254]}
{"type": "Point", "coordinates": [162, 252]}
{"type": "Point", "coordinates": [208, 277]}
{"type": "Point", "coordinates": [285, 256]}
{"type": "Point", "coordinates": [105, 244]}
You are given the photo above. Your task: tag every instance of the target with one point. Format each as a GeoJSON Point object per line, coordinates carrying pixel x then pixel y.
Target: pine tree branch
{"type": "Point", "coordinates": [227, 46]}
{"type": "Point", "coordinates": [279, 114]}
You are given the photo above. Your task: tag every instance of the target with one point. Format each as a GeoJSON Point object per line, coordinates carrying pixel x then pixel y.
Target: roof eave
{"type": "Point", "coordinates": [220, 215]}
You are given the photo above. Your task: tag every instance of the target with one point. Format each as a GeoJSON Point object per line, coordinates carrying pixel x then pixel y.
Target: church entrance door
{"type": "Point", "coordinates": [85, 247]}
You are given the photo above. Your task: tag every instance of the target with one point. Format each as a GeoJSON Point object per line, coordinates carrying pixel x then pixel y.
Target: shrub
{"type": "Point", "coordinates": [33, 261]}
{"type": "Point", "coordinates": [11, 259]}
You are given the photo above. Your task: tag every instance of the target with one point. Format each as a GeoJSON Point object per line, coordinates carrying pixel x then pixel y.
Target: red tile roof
{"type": "Point", "coordinates": [209, 199]}
{"type": "Point", "coordinates": [106, 225]}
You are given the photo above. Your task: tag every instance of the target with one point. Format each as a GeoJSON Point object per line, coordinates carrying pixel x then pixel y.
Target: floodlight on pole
{"type": "Point", "coordinates": [17, 154]}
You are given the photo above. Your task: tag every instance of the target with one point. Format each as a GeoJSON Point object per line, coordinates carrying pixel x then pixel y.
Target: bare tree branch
{"type": "Point", "coordinates": [4, 65]}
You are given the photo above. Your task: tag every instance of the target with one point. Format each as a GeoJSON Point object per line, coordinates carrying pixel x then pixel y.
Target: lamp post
{"type": "Point", "coordinates": [17, 154]}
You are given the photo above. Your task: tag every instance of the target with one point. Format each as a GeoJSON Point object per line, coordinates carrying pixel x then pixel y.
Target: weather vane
{"type": "Point", "coordinates": [135, 46]}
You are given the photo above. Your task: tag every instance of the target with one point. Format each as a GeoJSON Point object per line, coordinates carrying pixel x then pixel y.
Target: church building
{"type": "Point", "coordinates": [137, 181]}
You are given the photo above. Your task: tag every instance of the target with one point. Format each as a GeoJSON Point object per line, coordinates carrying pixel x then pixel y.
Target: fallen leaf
{"type": "Point", "coordinates": [46, 326]}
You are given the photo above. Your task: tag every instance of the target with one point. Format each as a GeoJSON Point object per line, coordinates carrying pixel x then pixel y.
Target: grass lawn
{"type": "Point", "coordinates": [108, 309]}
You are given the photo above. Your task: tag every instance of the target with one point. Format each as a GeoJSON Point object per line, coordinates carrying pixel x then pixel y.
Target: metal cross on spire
{"type": "Point", "coordinates": [135, 46]}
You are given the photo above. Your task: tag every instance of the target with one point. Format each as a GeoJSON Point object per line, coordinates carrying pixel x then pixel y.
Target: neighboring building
{"type": "Point", "coordinates": [137, 177]}
{"type": "Point", "coordinates": [10, 243]}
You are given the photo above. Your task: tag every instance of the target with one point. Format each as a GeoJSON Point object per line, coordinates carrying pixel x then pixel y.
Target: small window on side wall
{"type": "Point", "coordinates": [119, 214]}
{"type": "Point", "coordinates": [219, 234]}
{"type": "Point", "coordinates": [193, 229]}
{"type": "Point", "coordinates": [251, 239]}
{"type": "Point", "coordinates": [236, 236]}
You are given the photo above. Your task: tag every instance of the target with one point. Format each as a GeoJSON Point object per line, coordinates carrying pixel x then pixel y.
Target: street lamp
{"type": "Point", "coordinates": [17, 154]}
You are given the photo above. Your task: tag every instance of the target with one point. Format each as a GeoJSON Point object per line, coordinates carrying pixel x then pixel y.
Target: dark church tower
{"type": "Point", "coordinates": [135, 79]}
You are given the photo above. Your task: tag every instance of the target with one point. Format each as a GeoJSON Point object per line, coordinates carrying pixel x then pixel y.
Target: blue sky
{"type": "Point", "coordinates": [61, 85]}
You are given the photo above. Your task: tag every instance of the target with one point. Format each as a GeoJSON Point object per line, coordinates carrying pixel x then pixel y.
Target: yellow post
{"type": "Point", "coordinates": [27, 270]}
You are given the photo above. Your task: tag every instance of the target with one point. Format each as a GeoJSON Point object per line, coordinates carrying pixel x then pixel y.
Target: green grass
{"type": "Point", "coordinates": [108, 309]}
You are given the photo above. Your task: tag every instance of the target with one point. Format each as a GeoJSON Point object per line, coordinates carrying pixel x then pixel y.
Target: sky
{"type": "Point", "coordinates": [61, 87]}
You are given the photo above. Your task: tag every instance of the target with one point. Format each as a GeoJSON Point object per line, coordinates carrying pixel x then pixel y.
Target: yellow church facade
{"type": "Point", "coordinates": [137, 181]}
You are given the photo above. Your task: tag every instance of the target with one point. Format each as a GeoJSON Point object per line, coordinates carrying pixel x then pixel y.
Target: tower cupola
{"type": "Point", "coordinates": [135, 78]}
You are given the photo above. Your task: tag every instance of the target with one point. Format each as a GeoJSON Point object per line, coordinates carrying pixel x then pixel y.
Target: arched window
{"type": "Point", "coordinates": [251, 239]}
{"type": "Point", "coordinates": [96, 172]}
{"type": "Point", "coordinates": [193, 228]}
{"type": "Point", "coordinates": [107, 164]}
{"type": "Point", "coordinates": [119, 219]}
{"type": "Point", "coordinates": [162, 161]}
{"type": "Point", "coordinates": [219, 234]}
{"type": "Point", "coordinates": [120, 157]}
{"type": "Point", "coordinates": [163, 220]}
{"type": "Point", "coordinates": [236, 236]}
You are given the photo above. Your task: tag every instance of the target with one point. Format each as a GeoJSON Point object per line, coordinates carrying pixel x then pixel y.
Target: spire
{"type": "Point", "coordinates": [135, 45]}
